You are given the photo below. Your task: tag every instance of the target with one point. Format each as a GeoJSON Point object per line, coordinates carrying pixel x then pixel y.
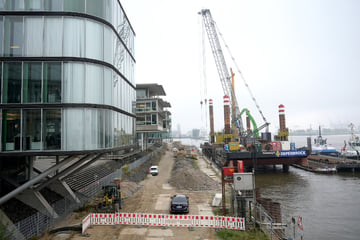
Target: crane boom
{"type": "Point", "coordinates": [220, 63]}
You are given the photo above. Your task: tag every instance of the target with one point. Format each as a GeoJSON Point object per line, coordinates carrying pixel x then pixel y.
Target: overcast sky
{"type": "Point", "coordinates": [304, 54]}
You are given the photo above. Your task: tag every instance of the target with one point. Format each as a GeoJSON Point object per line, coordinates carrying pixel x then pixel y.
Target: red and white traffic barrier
{"type": "Point", "coordinates": [168, 220]}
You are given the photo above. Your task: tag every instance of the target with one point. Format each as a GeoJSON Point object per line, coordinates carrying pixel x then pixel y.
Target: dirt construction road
{"type": "Point", "coordinates": [154, 197]}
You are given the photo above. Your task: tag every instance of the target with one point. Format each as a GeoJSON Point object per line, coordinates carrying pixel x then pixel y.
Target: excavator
{"type": "Point", "coordinates": [112, 200]}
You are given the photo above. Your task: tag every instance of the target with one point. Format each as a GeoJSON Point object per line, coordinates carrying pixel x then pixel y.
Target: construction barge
{"type": "Point", "coordinates": [257, 150]}
{"type": "Point", "coordinates": [330, 164]}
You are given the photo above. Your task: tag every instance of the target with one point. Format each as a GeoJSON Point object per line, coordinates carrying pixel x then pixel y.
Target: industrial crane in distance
{"type": "Point", "coordinates": [225, 79]}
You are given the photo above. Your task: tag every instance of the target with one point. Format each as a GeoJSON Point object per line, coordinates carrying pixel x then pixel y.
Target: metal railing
{"type": "Point", "coordinates": [267, 224]}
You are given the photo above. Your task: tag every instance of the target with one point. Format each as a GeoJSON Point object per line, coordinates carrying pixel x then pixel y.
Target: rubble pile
{"type": "Point", "coordinates": [187, 176]}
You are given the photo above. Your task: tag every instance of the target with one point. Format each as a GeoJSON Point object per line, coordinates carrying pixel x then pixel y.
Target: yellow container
{"type": "Point", "coordinates": [234, 146]}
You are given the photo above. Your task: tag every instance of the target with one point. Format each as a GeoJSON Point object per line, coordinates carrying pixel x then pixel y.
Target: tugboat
{"type": "Point", "coordinates": [352, 148]}
{"type": "Point", "coordinates": [321, 147]}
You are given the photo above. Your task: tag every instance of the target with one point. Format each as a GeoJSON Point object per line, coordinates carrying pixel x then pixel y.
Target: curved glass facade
{"type": "Point", "coordinates": [108, 10]}
{"type": "Point", "coordinates": [63, 36]}
{"type": "Point", "coordinates": [67, 80]}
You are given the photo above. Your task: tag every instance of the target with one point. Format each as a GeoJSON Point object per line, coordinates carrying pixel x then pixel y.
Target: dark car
{"type": "Point", "coordinates": [179, 204]}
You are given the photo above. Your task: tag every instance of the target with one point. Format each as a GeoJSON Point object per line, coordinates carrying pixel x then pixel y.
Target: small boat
{"type": "Point", "coordinates": [351, 149]}
{"type": "Point", "coordinates": [324, 169]}
{"type": "Point", "coordinates": [321, 147]}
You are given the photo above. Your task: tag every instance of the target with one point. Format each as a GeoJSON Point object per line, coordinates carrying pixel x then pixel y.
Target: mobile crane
{"type": "Point", "coordinates": [226, 78]}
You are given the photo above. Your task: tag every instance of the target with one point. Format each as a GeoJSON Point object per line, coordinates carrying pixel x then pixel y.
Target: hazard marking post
{"type": "Point", "coordinates": [168, 220]}
{"type": "Point", "coordinates": [299, 223]}
{"type": "Point", "coordinates": [86, 223]}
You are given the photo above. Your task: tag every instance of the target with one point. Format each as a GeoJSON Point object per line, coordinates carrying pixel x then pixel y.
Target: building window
{"type": "Point", "coordinates": [74, 6]}
{"type": "Point", "coordinates": [140, 93]}
{"type": "Point", "coordinates": [12, 82]}
{"type": "Point", "coordinates": [148, 107]}
{"type": "Point", "coordinates": [94, 40]}
{"type": "Point", "coordinates": [52, 129]}
{"type": "Point", "coordinates": [34, 5]}
{"type": "Point", "coordinates": [53, 5]}
{"type": "Point", "coordinates": [32, 82]}
{"type": "Point", "coordinates": [95, 7]}
{"type": "Point", "coordinates": [94, 84]}
{"type": "Point", "coordinates": [107, 86]}
{"type": "Point", "coordinates": [11, 131]}
{"type": "Point", "coordinates": [33, 40]}
{"type": "Point", "coordinates": [73, 129]}
{"type": "Point", "coordinates": [53, 36]}
{"type": "Point", "coordinates": [31, 129]}
{"type": "Point", "coordinates": [1, 81]}
{"type": "Point", "coordinates": [15, 5]}
{"type": "Point", "coordinates": [74, 37]}
{"type": "Point", "coordinates": [153, 104]}
{"type": "Point", "coordinates": [52, 82]}
{"type": "Point", "coordinates": [1, 34]}
{"type": "Point", "coordinates": [13, 36]}
{"type": "Point", "coordinates": [74, 78]}
{"type": "Point", "coordinates": [153, 119]}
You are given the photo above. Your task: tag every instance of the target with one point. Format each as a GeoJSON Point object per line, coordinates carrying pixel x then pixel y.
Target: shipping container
{"type": "Point", "coordinates": [234, 146]}
{"type": "Point", "coordinates": [285, 145]}
{"type": "Point", "coordinates": [276, 145]}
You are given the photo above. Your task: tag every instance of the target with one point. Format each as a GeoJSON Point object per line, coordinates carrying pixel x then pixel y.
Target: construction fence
{"type": "Point", "coordinates": [163, 220]}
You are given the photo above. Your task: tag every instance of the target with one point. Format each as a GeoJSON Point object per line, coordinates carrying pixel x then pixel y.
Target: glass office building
{"type": "Point", "coordinates": [66, 76]}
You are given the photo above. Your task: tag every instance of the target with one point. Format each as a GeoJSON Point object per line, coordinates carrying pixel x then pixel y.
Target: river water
{"type": "Point", "coordinates": [328, 204]}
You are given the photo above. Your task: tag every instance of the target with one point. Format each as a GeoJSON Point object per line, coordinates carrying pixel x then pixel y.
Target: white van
{"type": "Point", "coordinates": [154, 170]}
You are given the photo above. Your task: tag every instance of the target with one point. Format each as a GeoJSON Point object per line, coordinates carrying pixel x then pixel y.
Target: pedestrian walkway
{"type": "Point", "coordinates": [209, 169]}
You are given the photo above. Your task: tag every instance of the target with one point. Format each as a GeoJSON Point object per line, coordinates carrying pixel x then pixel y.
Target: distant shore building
{"type": "Point", "coordinates": [195, 133]}
{"type": "Point", "coordinates": [153, 120]}
{"type": "Point", "coordinates": [66, 81]}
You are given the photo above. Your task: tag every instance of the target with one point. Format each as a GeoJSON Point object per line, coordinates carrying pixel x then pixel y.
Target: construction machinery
{"type": "Point", "coordinates": [226, 79]}
{"type": "Point", "coordinates": [112, 200]}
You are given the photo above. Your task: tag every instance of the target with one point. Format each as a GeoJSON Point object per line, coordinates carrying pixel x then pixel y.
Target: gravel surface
{"type": "Point", "coordinates": [177, 174]}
